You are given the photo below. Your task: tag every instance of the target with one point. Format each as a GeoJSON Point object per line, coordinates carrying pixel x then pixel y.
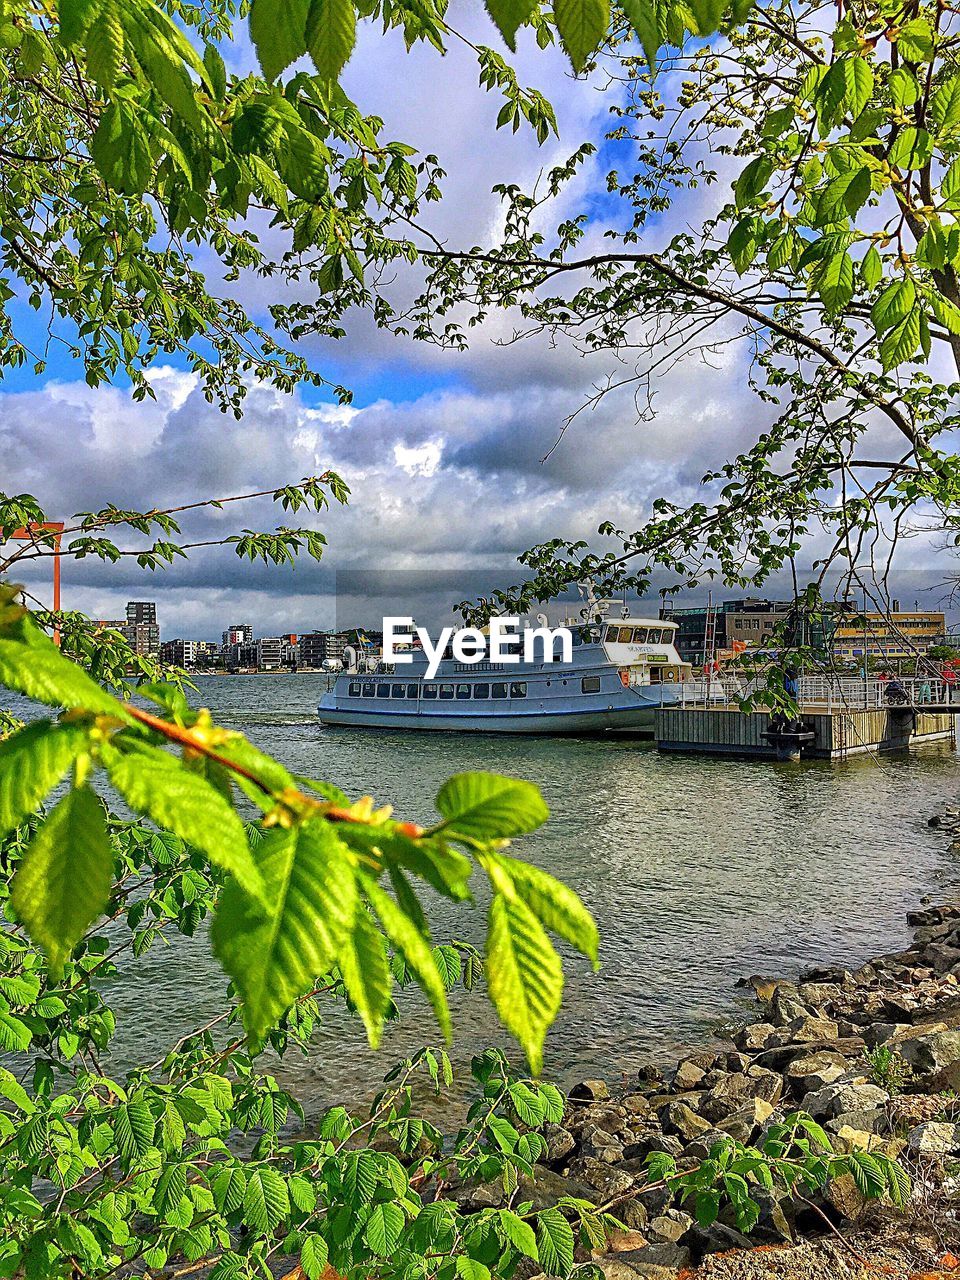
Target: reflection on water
{"type": "Point", "coordinates": [697, 870]}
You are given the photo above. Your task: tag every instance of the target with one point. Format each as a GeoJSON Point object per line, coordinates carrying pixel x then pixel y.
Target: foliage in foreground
{"type": "Point", "coordinates": [312, 898]}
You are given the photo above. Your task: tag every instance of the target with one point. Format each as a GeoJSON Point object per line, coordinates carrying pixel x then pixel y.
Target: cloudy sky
{"type": "Point", "coordinates": [442, 450]}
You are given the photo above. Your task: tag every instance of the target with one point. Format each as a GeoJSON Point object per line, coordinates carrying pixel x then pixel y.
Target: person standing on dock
{"type": "Point", "coordinates": [791, 685]}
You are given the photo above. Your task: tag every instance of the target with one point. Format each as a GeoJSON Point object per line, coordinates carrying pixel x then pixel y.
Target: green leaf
{"type": "Point", "coordinates": [265, 1202]}
{"type": "Point", "coordinates": [331, 34]}
{"type": "Point", "coordinates": [858, 77]}
{"type": "Point", "coordinates": [31, 664]}
{"type": "Point", "coordinates": [134, 1129]}
{"type": "Point", "coordinates": [648, 21]}
{"type": "Point", "coordinates": [121, 150]}
{"type": "Point", "coordinates": [15, 1036]}
{"type": "Point", "coordinates": [410, 941]}
{"type": "Point", "coordinates": [313, 1256]}
{"type": "Point", "coordinates": [946, 312]}
{"type": "Point", "coordinates": [581, 25]}
{"type": "Point", "coordinates": [156, 783]}
{"type": "Point", "coordinates": [555, 1243]}
{"type": "Point", "coordinates": [508, 15]}
{"type": "Point", "coordinates": [911, 149]}
{"type": "Point", "coordinates": [945, 105]}
{"type": "Point", "coordinates": [556, 906]}
{"type": "Point", "coordinates": [75, 17]}
{"type": "Point", "coordinates": [871, 268]}
{"type": "Point", "coordinates": [487, 806]}
{"type": "Point", "coordinates": [835, 282]}
{"type": "Point", "coordinates": [366, 973]}
{"type": "Point", "coordinates": [311, 895]}
{"type": "Point", "coordinates": [895, 302]}
{"type": "Point", "coordinates": [64, 880]}
{"type": "Point", "coordinates": [901, 342]}
{"type": "Point", "coordinates": [229, 1188]}
{"type": "Point", "coordinates": [470, 1269]}
{"type": "Point", "coordinates": [105, 47]}
{"type": "Point", "coordinates": [915, 40]}
{"type": "Point", "coordinates": [278, 31]}
{"type": "Point", "coordinates": [32, 762]}
{"type": "Point", "coordinates": [524, 974]}
{"type": "Point", "coordinates": [384, 1227]}
{"type": "Point", "coordinates": [520, 1234]}
{"type": "Point", "coordinates": [752, 181]}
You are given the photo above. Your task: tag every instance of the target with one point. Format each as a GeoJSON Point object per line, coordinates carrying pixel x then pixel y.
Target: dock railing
{"type": "Point", "coordinates": [831, 693]}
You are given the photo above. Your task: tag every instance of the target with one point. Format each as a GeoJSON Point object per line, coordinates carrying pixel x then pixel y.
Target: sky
{"type": "Point", "coordinates": [443, 451]}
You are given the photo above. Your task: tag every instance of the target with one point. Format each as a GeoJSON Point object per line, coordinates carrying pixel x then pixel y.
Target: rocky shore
{"type": "Point", "coordinates": [873, 1055]}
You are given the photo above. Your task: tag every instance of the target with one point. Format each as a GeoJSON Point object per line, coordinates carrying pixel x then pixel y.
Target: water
{"type": "Point", "coordinates": [698, 871]}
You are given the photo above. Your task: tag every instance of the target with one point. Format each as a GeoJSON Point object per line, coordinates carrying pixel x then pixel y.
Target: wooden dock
{"type": "Point", "coordinates": [838, 733]}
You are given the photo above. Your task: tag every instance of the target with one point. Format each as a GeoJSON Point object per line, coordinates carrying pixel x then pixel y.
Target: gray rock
{"type": "Point", "coordinates": [655, 1262]}
{"type": "Point", "coordinates": [688, 1075]}
{"type": "Point", "coordinates": [880, 1032]}
{"type": "Point", "coordinates": [807, 1030]}
{"type": "Point", "coordinates": [842, 1097]}
{"type": "Point", "coordinates": [560, 1143]}
{"type": "Point", "coordinates": [546, 1187]}
{"type": "Point", "coordinates": [759, 1035]}
{"type": "Point", "coordinates": [817, 994]}
{"type": "Point", "coordinates": [745, 1123]}
{"type": "Point", "coordinates": [669, 1226]}
{"type": "Point", "coordinates": [872, 1120]}
{"type": "Point", "coordinates": [679, 1118]}
{"type": "Point", "coordinates": [655, 1141]}
{"type": "Point", "coordinates": [811, 1072]}
{"type": "Point", "coordinates": [589, 1091]}
{"type": "Point", "coordinates": [733, 1092]}
{"type": "Point", "coordinates": [786, 1005]}
{"type": "Point", "coordinates": [936, 1137]}
{"type": "Point", "coordinates": [718, 1238]}
{"type": "Point", "coordinates": [701, 1147]}
{"type": "Point", "coordinates": [934, 1055]}
{"type": "Point", "coordinates": [941, 957]}
{"type": "Point", "coordinates": [603, 1178]}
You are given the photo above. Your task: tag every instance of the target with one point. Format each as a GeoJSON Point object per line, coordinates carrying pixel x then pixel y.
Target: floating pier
{"type": "Point", "coordinates": [837, 732]}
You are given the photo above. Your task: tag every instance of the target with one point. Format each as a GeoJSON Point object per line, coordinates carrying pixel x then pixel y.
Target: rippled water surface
{"type": "Point", "coordinates": [698, 871]}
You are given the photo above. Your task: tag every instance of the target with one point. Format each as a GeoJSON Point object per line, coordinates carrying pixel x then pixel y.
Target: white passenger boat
{"type": "Point", "coordinates": [619, 673]}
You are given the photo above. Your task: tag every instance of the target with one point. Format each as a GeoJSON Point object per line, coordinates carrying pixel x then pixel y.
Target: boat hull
{"type": "Point", "coordinates": [632, 719]}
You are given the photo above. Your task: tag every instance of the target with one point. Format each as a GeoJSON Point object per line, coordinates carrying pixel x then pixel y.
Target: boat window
{"type": "Point", "coordinates": [481, 691]}
{"type": "Point", "coordinates": [613, 635]}
{"type": "Point", "coordinates": [590, 684]}
{"type": "Point", "coordinates": [499, 690]}
{"type": "Point", "coordinates": [463, 691]}
{"type": "Point", "coordinates": [518, 689]}
{"type": "Point", "coordinates": [429, 691]}
{"type": "Point", "coordinates": [383, 691]}
{"type": "Point", "coordinates": [369, 690]}
{"type": "Point", "coordinates": [655, 636]}
{"type": "Point", "coordinates": [398, 691]}
{"type": "Point", "coordinates": [446, 692]}
{"type": "Point", "coordinates": [411, 690]}
{"type": "Point", "coordinates": [354, 689]}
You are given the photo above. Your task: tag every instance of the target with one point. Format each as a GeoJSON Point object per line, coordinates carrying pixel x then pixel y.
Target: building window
{"type": "Point", "coordinates": [446, 692]}
{"type": "Point", "coordinates": [429, 691]}
{"type": "Point", "coordinates": [481, 691]}
{"type": "Point", "coordinates": [398, 691]}
{"type": "Point", "coordinates": [383, 691]}
{"type": "Point", "coordinates": [354, 689]}
{"type": "Point", "coordinates": [518, 689]}
{"type": "Point", "coordinates": [499, 690]}
{"type": "Point", "coordinates": [369, 690]}
{"type": "Point", "coordinates": [590, 684]}
{"type": "Point", "coordinates": [463, 691]}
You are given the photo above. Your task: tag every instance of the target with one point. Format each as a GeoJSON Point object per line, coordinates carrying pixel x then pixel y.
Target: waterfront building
{"type": "Point", "coordinates": [735, 626]}
{"type": "Point", "coordinates": [320, 647]}
{"type": "Point", "coordinates": [900, 635]}
{"type": "Point", "coordinates": [140, 628]}
{"type": "Point", "coordinates": [189, 653]}
{"type": "Point", "coordinates": [238, 633]}
{"type": "Point", "coordinates": [267, 652]}
{"type": "Point", "coordinates": [290, 651]}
